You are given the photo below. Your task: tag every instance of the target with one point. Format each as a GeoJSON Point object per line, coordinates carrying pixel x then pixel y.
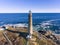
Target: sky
{"type": "Point", "coordinates": [23, 6]}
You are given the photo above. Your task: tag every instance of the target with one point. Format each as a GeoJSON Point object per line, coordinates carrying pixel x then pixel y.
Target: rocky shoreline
{"type": "Point", "coordinates": [18, 36]}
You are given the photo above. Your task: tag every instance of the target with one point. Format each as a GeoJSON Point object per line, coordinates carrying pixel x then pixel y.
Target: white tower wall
{"type": "Point", "coordinates": [30, 30]}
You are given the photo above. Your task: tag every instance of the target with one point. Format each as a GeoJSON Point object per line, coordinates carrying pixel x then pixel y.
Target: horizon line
{"type": "Point", "coordinates": [28, 12]}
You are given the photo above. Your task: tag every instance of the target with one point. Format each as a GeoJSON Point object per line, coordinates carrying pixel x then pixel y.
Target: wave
{"type": "Point", "coordinates": [17, 25]}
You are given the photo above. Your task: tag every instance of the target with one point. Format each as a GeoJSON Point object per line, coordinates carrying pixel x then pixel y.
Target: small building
{"type": "Point", "coordinates": [2, 29]}
{"type": "Point", "coordinates": [5, 27]}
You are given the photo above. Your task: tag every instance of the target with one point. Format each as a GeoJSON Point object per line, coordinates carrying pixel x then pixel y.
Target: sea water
{"type": "Point", "coordinates": [41, 21]}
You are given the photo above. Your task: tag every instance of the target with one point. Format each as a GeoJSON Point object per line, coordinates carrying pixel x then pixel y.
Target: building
{"type": "Point", "coordinates": [30, 29]}
{"type": "Point", "coordinates": [2, 29]}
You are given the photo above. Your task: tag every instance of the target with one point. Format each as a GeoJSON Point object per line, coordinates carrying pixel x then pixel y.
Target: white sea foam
{"type": "Point", "coordinates": [51, 20]}
{"type": "Point", "coordinates": [17, 25]}
{"type": "Point", "coordinates": [44, 23]}
{"type": "Point", "coordinates": [20, 25]}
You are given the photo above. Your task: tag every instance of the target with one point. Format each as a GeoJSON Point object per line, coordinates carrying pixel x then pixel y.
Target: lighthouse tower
{"type": "Point", "coordinates": [30, 23]}
{"type": "Point", "coordinates": [30, 29]}
{"type": "Point", "coordinates": [30, 38]}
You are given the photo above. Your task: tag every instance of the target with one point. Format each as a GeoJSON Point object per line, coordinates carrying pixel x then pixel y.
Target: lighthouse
{"type": "Point", "coordinates": [30, 38]}
{"type": "Point", "coordinates": [30, 23]}
{"type": "Point", "coordinates": [30, 28]}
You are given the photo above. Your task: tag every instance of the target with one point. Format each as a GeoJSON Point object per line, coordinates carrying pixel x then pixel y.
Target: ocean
{"type": "Point", "coordinates": [41, 21]}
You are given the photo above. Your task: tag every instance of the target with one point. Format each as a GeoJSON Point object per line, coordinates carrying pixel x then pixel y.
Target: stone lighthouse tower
{"type": "Point", "coordinates": [30, 23]}
{"type": "Point", "coordinates": [30, 29]}
{"type": "Point", "coordinates": [30, 38]}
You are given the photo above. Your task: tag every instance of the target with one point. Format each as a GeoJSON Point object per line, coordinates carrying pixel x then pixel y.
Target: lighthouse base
{"type": "Point", "coordinates": [29, 37]}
